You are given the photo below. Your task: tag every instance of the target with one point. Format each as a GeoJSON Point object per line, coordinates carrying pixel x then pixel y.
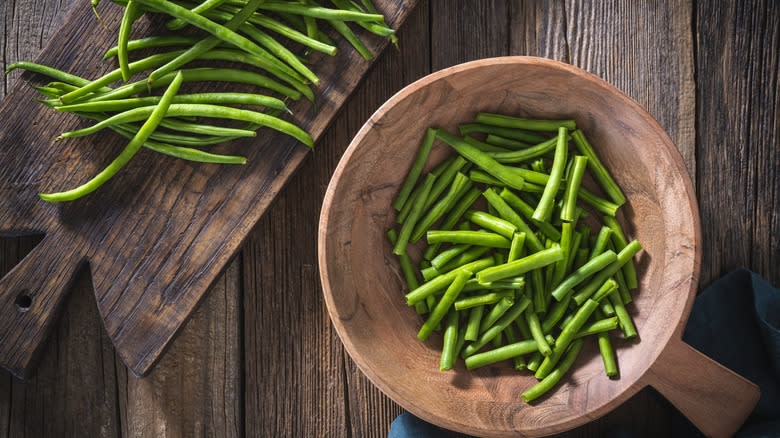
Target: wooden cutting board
{"type": "Point", "coordinates": [158, 234]}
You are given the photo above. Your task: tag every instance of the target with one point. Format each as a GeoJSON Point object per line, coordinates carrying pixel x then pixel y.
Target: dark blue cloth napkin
{"type": "Point", "coordinates": [735, 321]}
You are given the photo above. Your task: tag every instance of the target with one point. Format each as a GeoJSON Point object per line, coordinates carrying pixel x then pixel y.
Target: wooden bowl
{"type": "Point", "coordinates": [364, 288]}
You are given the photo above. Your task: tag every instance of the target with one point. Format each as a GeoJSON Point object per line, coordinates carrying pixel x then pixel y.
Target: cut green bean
{"type": "Point", "coordinates": [435, 285]}
{"type": "Point", "coordinates": [439, 209]}
{"type": "Point", "coordinates": [530, 153]}
{"type": "Point", "coordinates": [484, 299]}
{"type": "Point", "coordinates": [510, 133]}
{"type": "Point", "coordinates": [521, 266]}
{"type": "Point", "coordinates": [444, 304]}
{"type": "Point", "coordinates": [544, 208]}
{"type": "Point", "coordinates": [532, 319]}
{"type": "Point", "coordinates": [527, 211]}
{"type": "Point", "coordinates": [572, 188]}
{"type": "Point", "coordinates": [624, 319]}
{"type": "Point", "coordinates": [555, 376]}
{"type": "Point", "coordinates": [590, 268]}
{"type": "Point", "coordinates": [507, 143]}
{"type": "Point", "coordinates": [481, 238]}
{"type": "Point", "coordinates": [472, 326]}
{"type": "Point", "coordinates": [448, 353]}
{"type": "Point", "coordinates": [481, 145]}
{"type": "Point", "coordinates": [496, 312]}
{"type": "Point", "coordinates": [622, 258]}
{"type": "Point", "coordinates": [600, 172]}
{"type": "Point", "coordinates": [417, 166]}
{"type": "Point", "coordinates": [510, 351]}
{"type": "Point", "coordinates": [482, 160]}
{"type": "Point", "coordinates": [619, 240]}
{"type": "Point", "coordinates": [444, 180]}
{"type": "Point", "coordinates": [461, 206]}
{"type": "Point", "coordinates": [495, 329]}
{"type": "Point", "coordinates": [492, 223]}
{"type": "Point", "coordinates": [516, 248]}
{"type": "Point", "coordinates": [408, 270]}
{"type": "Point", "coordinates": [597, 327]}
{"type": "Point", "coordinates": [601, 241]}
{"type": "Point", "coordinates": [573, 327]}
{"type": "Point", "coordinates": [414, 216]}
{"type": "Point", "coordinates": [511, 338]}
{"type": "Point", "coordinates": [528, 124]}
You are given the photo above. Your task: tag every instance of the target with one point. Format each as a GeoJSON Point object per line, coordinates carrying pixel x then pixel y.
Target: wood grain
{"type": "Point", "coordinates": [155, 238]}
{"type": "Point", "coordinates": [734, 90]}
{"type": "Point", "coordinates": [738, 103]}
{"type": "Point", "coordinates": [361, 280]}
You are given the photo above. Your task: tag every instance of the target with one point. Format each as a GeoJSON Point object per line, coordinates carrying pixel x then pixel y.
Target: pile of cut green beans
{"type": "Point", "coordinates": [524, 279]}
{"type": "Point", "coordinates": [235, 31]}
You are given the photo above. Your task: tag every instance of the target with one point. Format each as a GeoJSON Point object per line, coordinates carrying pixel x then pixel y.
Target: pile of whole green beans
{"type": "Point", "coordinates": [523, 276]}
{"type": "Point", "coordinates": [230, 30]}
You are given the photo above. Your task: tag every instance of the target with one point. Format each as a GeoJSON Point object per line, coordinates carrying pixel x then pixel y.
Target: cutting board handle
{"type": "Point", "coordinates": [715, 399]}
{"type": "Point", "coordinates": [30, 295]}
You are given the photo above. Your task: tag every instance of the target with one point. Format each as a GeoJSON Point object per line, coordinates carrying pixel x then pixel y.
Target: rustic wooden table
{"type": "Point", "coordinates": [260, 358]}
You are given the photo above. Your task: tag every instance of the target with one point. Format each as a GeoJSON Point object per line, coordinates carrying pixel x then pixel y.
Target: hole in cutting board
{"type": "Point", "coordinates": [23, 301]}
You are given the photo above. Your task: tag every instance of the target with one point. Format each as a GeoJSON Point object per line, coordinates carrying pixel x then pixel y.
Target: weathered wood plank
{"type": "Point", "coordinates": [738, 103]}
{"type": "Point", "coordinates": [73, 392]}
{"type": "Point", "coordinates": [371, 412]}
{"type": "Point", "coordinates": [195, 390]}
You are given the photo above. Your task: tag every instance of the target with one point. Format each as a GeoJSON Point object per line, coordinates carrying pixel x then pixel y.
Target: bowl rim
{"type": "Point", "coordinates": [689, 189]}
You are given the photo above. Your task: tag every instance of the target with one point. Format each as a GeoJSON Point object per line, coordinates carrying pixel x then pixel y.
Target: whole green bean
{"type": "Point", "coordinates": [200, 110]}
{"type": "Point", "coordinates": [521, 266]}
{"type": "Point", "coordinates": [544, 208]}
{"type": "Point", "coordinates": [572, 188]}
{"type": "Point", "coordinates": [124, 157]}
{"type": "Point", "coordinates": [482, 238]}
{"type": "Point", "coordinates": [552, 378]}
{"type": "Point", "coordinates": [50, 72]}
{"type": "Point", "coordinates": [444, 304]}
{"type": "Point", "coordinates": [590, 268]}
{"type": "Point", "coordinates": [320, 12]}
{"type": "Point", "coordinates": [350, 36]}
{"type": "Point", "coordinates": [178, 23]}
{"type": "Point", "coordinates": [153, 41]}
{"type": "Point", "coordinates": [416, 169]}
{"type": "Point", "coordinates": [448, 353]}
{"type": "Point", "coordinates": [482, 160]}
{"type": "Point", "coordinates": [203, 98]}
{"type": "Point", "coordinates": [600, 172]}
{"type": "Point", "coordinates": [132, 12]}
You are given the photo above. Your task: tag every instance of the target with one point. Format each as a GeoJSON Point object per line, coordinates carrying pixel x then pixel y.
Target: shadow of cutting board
{"type": "Point", "coordinates": [156, 235]}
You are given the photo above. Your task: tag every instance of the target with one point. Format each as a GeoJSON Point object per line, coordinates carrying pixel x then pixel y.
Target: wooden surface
{"type": "Point", "coordinates": [156, 237]}
{"type": "Point", "coordinates": [260, 358]}
{"type": "Point", "coordinates": [362, 282]}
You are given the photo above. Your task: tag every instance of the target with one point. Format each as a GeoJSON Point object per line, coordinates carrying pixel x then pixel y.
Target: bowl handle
{"type": "Point", "coordinates": [714, 398]}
